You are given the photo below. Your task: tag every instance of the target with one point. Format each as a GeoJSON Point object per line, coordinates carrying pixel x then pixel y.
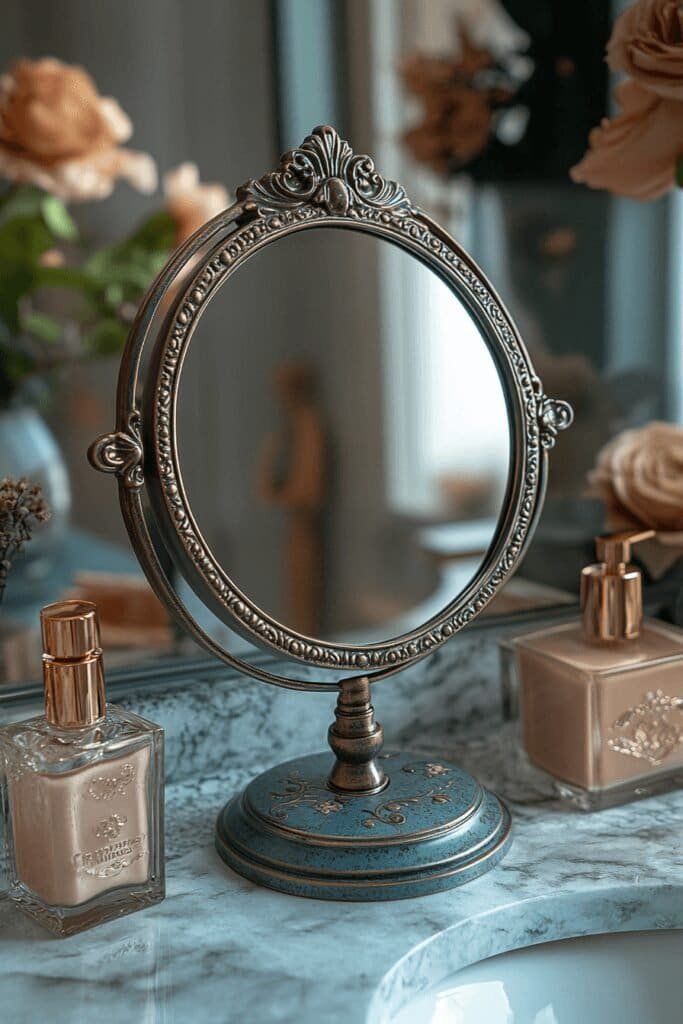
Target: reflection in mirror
{"type": "Point", "coordinates": [349, 471]}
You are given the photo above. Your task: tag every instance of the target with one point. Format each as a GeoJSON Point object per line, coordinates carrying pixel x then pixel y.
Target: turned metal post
{"type": "Point", "coordinates": [356, 740]}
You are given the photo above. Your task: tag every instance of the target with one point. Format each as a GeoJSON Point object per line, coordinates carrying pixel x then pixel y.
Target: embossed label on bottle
{"type": "Point", "coordinates": [651, 730]}
{"type": "Point", "coordinates": [109, 861]}
{"type": "Point", "coordinates": [110, 828]}
{"type": "Point", "coordinates": [106, 787]}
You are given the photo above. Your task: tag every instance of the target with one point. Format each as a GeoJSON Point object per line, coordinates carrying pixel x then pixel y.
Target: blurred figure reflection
{"type": "Point", "coordinates": [293, 473]}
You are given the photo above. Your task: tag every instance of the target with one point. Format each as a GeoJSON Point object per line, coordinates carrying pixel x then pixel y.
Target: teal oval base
{"type": "Point", "coordinates": [431, 828]}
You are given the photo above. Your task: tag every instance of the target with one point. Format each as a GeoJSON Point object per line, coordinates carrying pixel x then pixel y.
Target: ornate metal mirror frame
{"type": "Point", "coordinates": [324, 184]}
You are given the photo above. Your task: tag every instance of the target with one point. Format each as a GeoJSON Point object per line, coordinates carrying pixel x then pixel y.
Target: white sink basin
{"type": "Point", "coordinates": [627, 978]}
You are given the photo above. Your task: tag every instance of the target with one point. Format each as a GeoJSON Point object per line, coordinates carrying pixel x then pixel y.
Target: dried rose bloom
{"type": "Point", "coordinates": [459, 96]}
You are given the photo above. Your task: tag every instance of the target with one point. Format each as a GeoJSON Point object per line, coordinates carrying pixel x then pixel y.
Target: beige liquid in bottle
{"type": "Point", "coordinates": [82, 790]}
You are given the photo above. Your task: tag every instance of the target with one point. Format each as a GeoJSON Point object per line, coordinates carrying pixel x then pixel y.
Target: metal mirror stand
{"type": "Point", "coordinates": [374, 825]}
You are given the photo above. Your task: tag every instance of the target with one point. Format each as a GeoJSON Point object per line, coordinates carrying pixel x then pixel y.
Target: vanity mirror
{"type": "Point", "coordinates": [339, 575]}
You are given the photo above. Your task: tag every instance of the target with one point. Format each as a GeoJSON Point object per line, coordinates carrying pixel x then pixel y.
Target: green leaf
{"type": "Point", "coordinates": [158, 232]}
{"type": "Point", "coordinates": [14, 367]}
{"type": "Point", "coordinates": [43, 327]}
{"type": "Point", "coordinates": [73, 278]}
{"type": "Point", "coordinates": [5, 336]}
{"type": "Point", "coordinates": [129, 267]}
{"type": "Point", "coordinates": [58, 219]}
{"type": "Point", "coordinates": [21, 201]}
{"type": "Point", "coordinates": [15, 281]}
{"type": "Point", "coordinates": [113, 295]}
{"type": "Point", "coordinates": [23, 240]}
{"type": "Point", "coordinates": [679, 172]}
{"type": "Point", "coordinates": [14, 364]}
{"type": "Point", "coordinates": [132, 267]}
{"type": "Point", "coordinates": [106, 337]}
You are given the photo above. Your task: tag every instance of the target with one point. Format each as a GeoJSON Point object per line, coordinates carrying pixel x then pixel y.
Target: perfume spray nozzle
{"type": "Point", "coordinates": [612, 590]}
{"type": "Point", "coordinates": [614, 549]}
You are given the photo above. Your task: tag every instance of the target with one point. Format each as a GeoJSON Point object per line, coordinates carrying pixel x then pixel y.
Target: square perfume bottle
{"type": "Point", "coordinates": [601, 702]}
{"type": "Point", "coordinates": [82, 790]}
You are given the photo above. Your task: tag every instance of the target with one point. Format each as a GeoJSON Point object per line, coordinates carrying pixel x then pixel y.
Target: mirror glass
{"type": "Point", "coordinates": [351, 479]}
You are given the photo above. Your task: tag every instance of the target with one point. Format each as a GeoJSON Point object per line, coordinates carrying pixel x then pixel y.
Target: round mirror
{"type": "Point", "coordinates": [330, 432]}
{"type": "Point", "coordinates": [328, 426]}
{"type": "Point", "coordinates": [353, 482]}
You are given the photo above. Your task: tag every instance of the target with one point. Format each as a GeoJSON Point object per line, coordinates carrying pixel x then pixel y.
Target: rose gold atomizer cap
{"type": "Point", "coordinates": [72, 664]}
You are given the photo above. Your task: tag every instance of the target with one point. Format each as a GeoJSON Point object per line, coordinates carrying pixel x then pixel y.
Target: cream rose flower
{"type": "Point", "coordinates": [634, 154]}
{"type": "Point", "coordinates": [191, 203]}
{"type": "Point", "coordinates": [58, 133]}
{"type": "Point", "coordinates": [647, 43]}
{"type": "Point", "coordinates": [639, 476]}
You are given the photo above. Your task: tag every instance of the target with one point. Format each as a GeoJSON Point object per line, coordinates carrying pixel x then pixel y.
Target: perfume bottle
{"type": "Point", "coordinates": [82, 790]}
{"type": "Point", "coordinates": [601, 701]}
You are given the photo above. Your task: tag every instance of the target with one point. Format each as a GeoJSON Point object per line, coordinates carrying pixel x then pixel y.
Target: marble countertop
{"type": "Point", "coordinates": [219, 949]}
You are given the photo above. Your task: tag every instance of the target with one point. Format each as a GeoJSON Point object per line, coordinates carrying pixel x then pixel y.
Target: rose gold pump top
{"type": "Point", "coordinates": [72, 664]}
{"type": "Point", "coordinates": [612, 590]}
{"type": "Point", "coordinates": [70, 629]}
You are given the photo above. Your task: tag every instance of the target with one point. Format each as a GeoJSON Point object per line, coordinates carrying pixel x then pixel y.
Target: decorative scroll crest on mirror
{"type": "Point", "coordinates": [326, 172]}
{"type": "Point", "coordinates": [322, 183]}
{"type": "Point", "coordinates": [121, 453]}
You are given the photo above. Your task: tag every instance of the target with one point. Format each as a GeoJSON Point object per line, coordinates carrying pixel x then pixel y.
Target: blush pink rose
{"type": "Point", "coordinates": [191, 202]}
{"type": "Point", "coordinates": [639, 477]}
{"type": "Point", "coordinates": [634, 154]}
{"type": "Point", "coordinates": [58, 133]}
{"type": "Point", "coordinates": [647, 44]}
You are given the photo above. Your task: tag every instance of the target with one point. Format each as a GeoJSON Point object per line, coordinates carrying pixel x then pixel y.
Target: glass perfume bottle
{"type": "Point", "coordinates": [601, 702]}
{"type": "Point", "coordinates": [82, 790]}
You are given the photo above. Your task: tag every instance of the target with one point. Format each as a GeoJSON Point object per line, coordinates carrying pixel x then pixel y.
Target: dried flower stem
{"type": "Point", "coordinates": [22, 507]}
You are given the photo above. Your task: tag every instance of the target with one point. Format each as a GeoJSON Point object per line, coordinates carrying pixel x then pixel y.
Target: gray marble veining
{"type": "Point", "coordinates": [221, 950]}
{"type": "Point", "coordinates": [211, 721]}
